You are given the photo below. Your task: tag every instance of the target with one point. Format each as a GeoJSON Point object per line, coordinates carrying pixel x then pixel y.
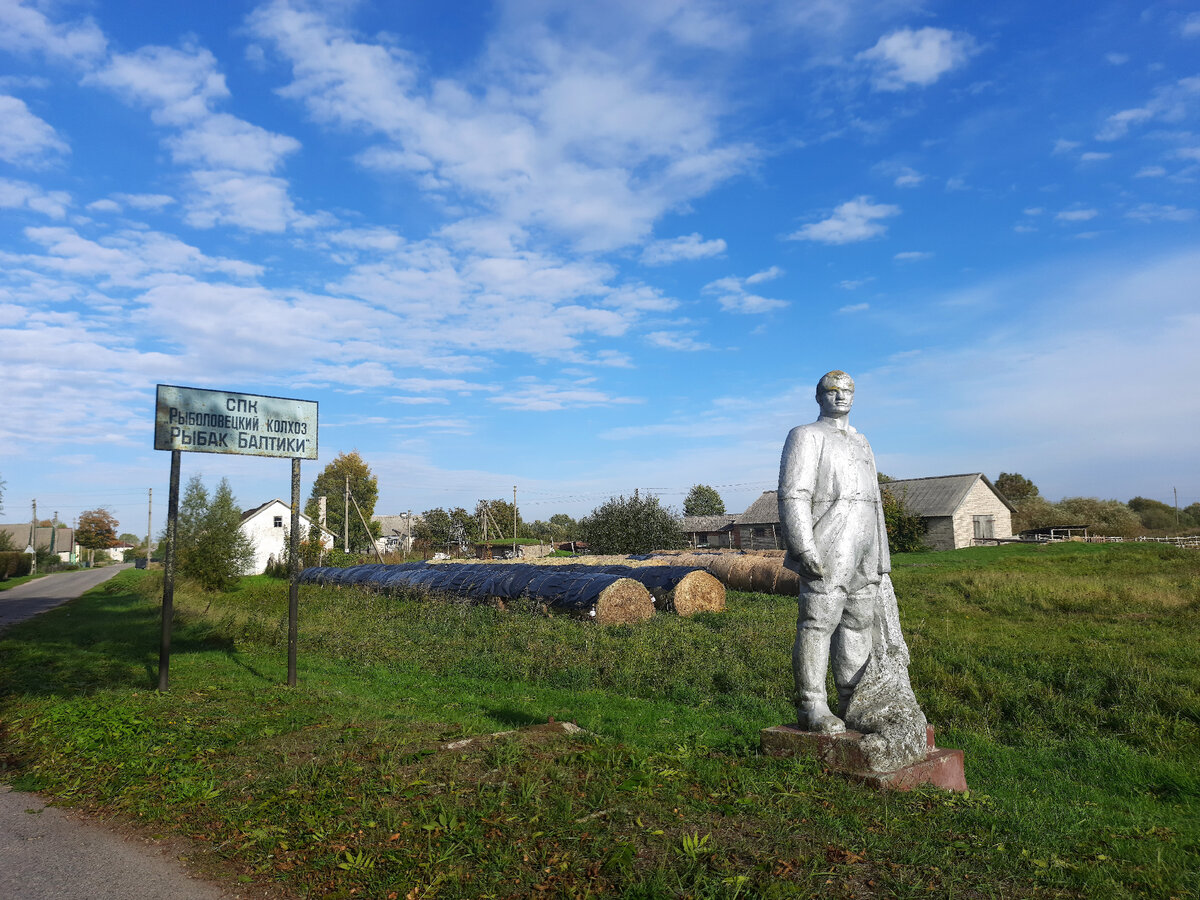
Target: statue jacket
{"type": "Point", "coordinates": [829, 506]}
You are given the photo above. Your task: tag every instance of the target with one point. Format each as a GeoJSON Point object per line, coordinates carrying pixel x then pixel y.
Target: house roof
{"type": "Point", "coordinates": [693, 524]}
{"type": "Point", "coordinates": [251, 513]}
{"type": "Point", "coordinates": [64, 538]}
{"type": "Point", "coordinates": [941, 495]}
{"type": "Point", "coordinates": [399, 524]}
{"type": "Point", "coordinates": [763, 511]}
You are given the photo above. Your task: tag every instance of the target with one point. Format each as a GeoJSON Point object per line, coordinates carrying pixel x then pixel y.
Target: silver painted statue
{"type": "Point", "coordinates": [836, 541]}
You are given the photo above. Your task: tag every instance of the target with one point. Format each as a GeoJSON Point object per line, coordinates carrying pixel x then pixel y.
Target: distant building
{"type": "Point", "coordinates": [60, 540]}
{"type": "Point", "coordinates": [709, 531]}
{"type": "Point", "coordinates": [959, 510]}
{"type": "Point", "coordinates": [267, 528]}
{"type": "Point", "coordinates": [396, 532]}
{"type": "Point", "coordinates": [758, 527]}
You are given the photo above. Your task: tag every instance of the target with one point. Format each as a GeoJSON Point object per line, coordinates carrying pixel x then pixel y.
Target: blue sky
{"type": "Point", "coordinates": [587, 248]}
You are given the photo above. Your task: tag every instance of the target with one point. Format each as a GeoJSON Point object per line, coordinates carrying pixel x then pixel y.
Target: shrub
{"type": "Point", "coordinates": [14, 564]}
{"type": "Point", "coordinates": [634, 524]}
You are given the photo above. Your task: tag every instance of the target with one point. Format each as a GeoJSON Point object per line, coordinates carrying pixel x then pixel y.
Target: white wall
{"type": "Point", "coordinates": [270, 539]}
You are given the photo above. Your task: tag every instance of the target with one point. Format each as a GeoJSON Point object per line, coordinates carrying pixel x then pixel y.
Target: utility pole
{"type": "Point", "coordinates": [1176, 491]}
{"type": "Point", "coordinates": [514, 521]}
{"type": "Point", "coordinates": [149, 520]}
{"type": "Point", "coordinates": [33, 538]}
{"type": "Point", "coordinates": [321, 520]}
{"type": "Point", "coordinates": [54, 531]}
{"type": "Point", "coordinates": [346, 517]}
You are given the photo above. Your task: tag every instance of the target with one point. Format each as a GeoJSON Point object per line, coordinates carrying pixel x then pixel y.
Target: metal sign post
{"type": "Point", "coordinates": [205, 421]}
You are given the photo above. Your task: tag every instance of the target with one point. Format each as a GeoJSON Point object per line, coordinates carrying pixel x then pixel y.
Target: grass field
{"type": "Point", "coordinates": [1070, 675]}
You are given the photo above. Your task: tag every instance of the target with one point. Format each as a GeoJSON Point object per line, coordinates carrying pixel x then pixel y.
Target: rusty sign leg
{"type": "Point", "coordinates": [294, 574]}
{"type": "Point", "coordinates": [168, 604]}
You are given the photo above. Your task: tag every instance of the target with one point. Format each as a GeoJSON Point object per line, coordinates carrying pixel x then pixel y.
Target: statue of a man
{"type": "Point", "coordinates": [836, 541]}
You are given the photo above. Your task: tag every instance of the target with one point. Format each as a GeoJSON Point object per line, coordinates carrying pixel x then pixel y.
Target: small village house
{"type": "Point", "coordinates": [758, 527]}
{"type": "Point", "coordinates": [959, 510]}
{"type": "Point", "coordinates": [709, 531]}
{"type": "Point", "coordinates": [60, 540]}
{"type": "Point", "coordinates": [267, 528]}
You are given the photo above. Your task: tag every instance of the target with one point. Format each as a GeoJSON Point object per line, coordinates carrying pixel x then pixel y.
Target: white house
{"type": "Point", "coordinates": [267, 527]}
{"type": "Point", "coordinates": [958, 509]}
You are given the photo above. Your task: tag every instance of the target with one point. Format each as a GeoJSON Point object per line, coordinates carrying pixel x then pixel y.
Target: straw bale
{"type": "Point", "coordinates": [622, 602]}
{"type": "Point", "coordinates": [697, 592]}
{"type": "Point", "coordinates": [740, 576]}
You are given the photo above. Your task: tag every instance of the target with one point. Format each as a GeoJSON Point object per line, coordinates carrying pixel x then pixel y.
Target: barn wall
{"type": "Point", "coordinates": [980, 501]}
{"type": "Point", "coordinates": [939, 532]}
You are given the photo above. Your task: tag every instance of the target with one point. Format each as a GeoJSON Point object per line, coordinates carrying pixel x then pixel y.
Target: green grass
{"type": "Point", "coordinates": [20, 579]}
{"type": "Point", "coordinates": [1070, 674]}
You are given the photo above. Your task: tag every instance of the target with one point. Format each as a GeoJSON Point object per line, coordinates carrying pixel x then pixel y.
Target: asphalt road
{"type": "Point", "coordinates": [27, 600]}
{"type": "Point", "coordinates": [48, 853]}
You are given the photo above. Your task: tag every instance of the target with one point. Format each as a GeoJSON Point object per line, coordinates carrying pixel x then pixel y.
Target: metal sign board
{"type": "Point", "coordinates": [205, 421]}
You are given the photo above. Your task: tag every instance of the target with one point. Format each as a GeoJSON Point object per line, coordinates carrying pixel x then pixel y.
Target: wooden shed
{"type": "Point", "coordinates": [709, 531]}
{"type": "Point", "coordinates": [758, 527]}
{"type": "Point", "coordinates": [959, 510]}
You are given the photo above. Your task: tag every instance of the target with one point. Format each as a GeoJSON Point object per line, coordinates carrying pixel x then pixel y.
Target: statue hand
{"type": "Point", "coordinates": [810, 565]}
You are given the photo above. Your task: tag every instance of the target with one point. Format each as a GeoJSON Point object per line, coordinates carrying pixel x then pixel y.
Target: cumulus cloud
{"type": "Point", "coordinates": [593, 147]}
{"type": "Point", "coordinates": [536, 396]}
{"type": "Point", "coordinates": [854, 220]}
{"type": "Point", "coordinates": [733, 296]}
{"type": "Point", "coordinates": [912, 256]}
{"type": "Point", "coordinates": [23, 195]}
{"type": "Point", "coordinates": [907, 58]}
{"type": "Point", "coordinates": [686, 247]}
{"type": "Point", "coordinates": [1190, 26]}
{"type": "Point", "coordinates": [24, 29]}
{"type": "Point", "coordinates": [1154, 212]}
{"type": "Point", "coordinates": [854, 308]}
{"type": "Point", "coordinates": [25, 139]}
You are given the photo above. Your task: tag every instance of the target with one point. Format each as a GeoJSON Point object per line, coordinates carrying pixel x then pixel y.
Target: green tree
{"type": "Point", "coordinates": [500, 515]}
{"type": "Point", "coordinates": [210, 546]}
{"type": "Point", "coordinates": [703, 500]}
{"type": "Point", "coordinates": [364, 489]}
{"type": "Point", "coordinates": [1103, 517]}
{"type": "Point", "coordinates": [1158, 516]}
{"type": "Point", "coordinates": [96, 530]}
{"type": "Point", "coordinates": [905, 529]}
{"type": "Point", "coordinates": [440, 529]}
{"type": "Point", "coordinates": [634, 524]}
{"type": "Point", "coordinates": [1015, 487]}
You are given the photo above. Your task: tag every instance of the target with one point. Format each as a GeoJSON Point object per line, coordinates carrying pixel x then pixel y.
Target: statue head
{"type": "Point", "coordinates": [835, 394]}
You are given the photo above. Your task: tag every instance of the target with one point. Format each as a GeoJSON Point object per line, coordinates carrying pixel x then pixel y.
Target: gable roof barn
{"type": "Point", "coordinates": [940, 495]}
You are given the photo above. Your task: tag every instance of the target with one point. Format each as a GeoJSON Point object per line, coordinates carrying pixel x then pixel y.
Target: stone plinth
{"type": "Point", "coordinates": [842, 754]}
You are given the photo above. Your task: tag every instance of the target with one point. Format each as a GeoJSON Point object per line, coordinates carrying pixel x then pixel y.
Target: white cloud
{"type": "Point", "coordinates": [1093, 156]}
{"type": "Point", "coordinates": [144, 201]}
{"type": "Point", "coordinates": [1076, 215]}
{"type": "Point", "coordinates": [854, 284]}
{"type": "Point", "coordinates": [225, 142]}
{"type": "Point", "coordinates": [1154, 212]}
{"type": "Point", "coordinates": [104, 206]}
{"type": "Point", "coordinates": [1033, 210]}
{"type": "Point", "coordinates": [905, 57]}
{"type": "Point", "coordinates": [769, 274]}
{"type": "Point", "coordinates": [1062, 146]}
{"type": "Point", "coordinates": [245, 200]}
{"type": "Point", "coordinates": [1150, 172]}
{"type": "Point", "coordinates": [854, 308]}
{"type": "Point", "coordinates": [732, 295]}
{"type": "Point", "coordinates": [908, 178]}
{"type": "Point", "coordinates": [1116, 59]}
{"type": "Point", "coordinates": [686, 247]}
{"type": "Point", "coordinates": [539, 397]}
{"type": "Point", "coordinates": [23, 195]}
{"type": "Point", "coordinates": [1191, 26]}
{"type": "Point", "coordinates": [23, 28]}
{"type": "Point", "coordinates": [1168, 103]}
{"type": "Point", "coordinates": [672, 340]}
{"type": "Point", "coordinates": [854, 220]}
{"type": "Point", "coordinates": [593, 147]}
{"type": "Point", "coordinates": [26, 140]}
{"type": "Point", "coordinates": [912, 256]}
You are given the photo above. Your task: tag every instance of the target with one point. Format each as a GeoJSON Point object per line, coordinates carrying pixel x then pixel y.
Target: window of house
{"type": "Point", "coordinates": [279, 521]}
{"type": "Point", "coordinates": [984, 526]}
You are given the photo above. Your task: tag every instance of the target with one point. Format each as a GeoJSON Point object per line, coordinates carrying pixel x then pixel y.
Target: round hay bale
{"type": "Point", "coordinates": [720, 566]}
{"type": "Point", "coordinates": [696, 592]}
{"type": "Point", "coordinates": [622, 602]}
{"type": "Point", "coordinates": [762, 575]}
{"type": "Point", "coordinates": [788, 583]}
{"type": "Point", "coordinates": [741, 574]}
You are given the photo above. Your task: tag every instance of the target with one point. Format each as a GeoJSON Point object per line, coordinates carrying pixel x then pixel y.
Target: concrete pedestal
{"type": "Point", "coordinates": [841, 754]}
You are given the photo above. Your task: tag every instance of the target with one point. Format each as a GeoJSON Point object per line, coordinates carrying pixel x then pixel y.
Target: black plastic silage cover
{"type": "Point", "coordinates": [574, 588]}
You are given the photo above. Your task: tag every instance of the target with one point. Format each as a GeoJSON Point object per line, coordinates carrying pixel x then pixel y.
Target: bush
{"type": "Point", "coordinates": [905, 530]}
{"type": "Point", "coordinates": [14, 564]}
{"type": "Point", "coordinates": [625, 525]}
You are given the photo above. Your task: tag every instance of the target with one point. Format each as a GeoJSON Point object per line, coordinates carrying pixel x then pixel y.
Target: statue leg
{"type": "Point", "coordinates": [819, 616]}
{"type": "Point", "coordinates": [852, 643]}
